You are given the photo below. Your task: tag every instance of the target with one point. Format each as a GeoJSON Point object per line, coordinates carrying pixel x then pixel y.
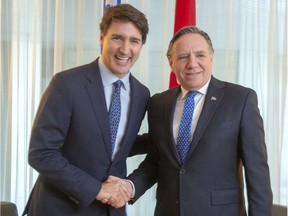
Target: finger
{"type": "Point", "coordinates": [113, 178]}
{"type": "Point", "coordinates": [125, 190]}
{"type": "Point", "coordinates": [104, 201]}
{"type": "Point", "coordinates": [119, 187]}
{"type": "Point", "coordinates": [116, 202]}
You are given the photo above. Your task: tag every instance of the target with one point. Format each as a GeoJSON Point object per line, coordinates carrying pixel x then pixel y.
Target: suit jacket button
{"type": "Point", "coordinates": [182, 171]}
{"type": "Point", "coordinates": [177, 202]}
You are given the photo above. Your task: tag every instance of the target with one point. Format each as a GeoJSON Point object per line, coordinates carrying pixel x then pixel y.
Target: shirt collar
{"type": "Point", "coordinates": [108, 78]}
{"type": "Point", "coordinates": [202, 90]}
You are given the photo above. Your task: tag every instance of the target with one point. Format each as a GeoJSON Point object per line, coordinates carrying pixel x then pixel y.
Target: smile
{"type": "Point", "coordinates": [122, 59]}
{"type": "Point", "coordinates": [193, 73]}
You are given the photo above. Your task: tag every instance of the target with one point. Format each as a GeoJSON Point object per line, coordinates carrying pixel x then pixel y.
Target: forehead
{"type": "Point", "coordinates": [191, 41]}
{"type": "Point", "coordinates": [121, 27]}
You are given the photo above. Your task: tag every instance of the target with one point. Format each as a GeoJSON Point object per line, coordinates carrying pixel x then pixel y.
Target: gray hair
{"type": "Point", "coordinates": [189, 30]}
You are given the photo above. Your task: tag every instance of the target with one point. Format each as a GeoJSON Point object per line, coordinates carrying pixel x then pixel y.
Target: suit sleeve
{"type": "Point", "coordinates": [254, 157]}
{"type": "Point", "coordinates": [145, 176]}
{"type": "Point", "coordinates": [140, 145]}
{"type": "Point", "coordinates": [48, 136]}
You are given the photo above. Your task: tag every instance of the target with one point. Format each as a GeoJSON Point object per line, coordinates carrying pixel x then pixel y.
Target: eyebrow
{"type": "Point", "coordinates": [200, 52]}
{"type": "Point", "coordinates": [188, 53]}
{"type": "Point", "coordinates": [135, 38]}
{"type": "Point", "coordinates": [120, 35]}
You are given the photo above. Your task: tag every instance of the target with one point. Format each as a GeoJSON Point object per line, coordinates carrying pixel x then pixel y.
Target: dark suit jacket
{"type": "Point", "coordinates": [70, 143]}
{"type": "Point", "coordinates": [228, 136]}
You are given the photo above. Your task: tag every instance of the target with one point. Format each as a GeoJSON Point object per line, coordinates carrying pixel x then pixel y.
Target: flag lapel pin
{"type": "Point", "coordinates": [213, 98]}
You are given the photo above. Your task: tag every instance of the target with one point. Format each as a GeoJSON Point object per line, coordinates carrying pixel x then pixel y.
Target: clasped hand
{"type": "Point", "coordinates": [115, 192]}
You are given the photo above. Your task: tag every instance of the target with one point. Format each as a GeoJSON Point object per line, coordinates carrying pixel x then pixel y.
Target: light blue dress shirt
{"type": "Point", "coordinates": [108, 78]}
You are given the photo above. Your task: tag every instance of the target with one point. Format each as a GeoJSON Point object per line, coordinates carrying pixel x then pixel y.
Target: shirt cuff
{"type": "Point", "coordinates": [133, 187]}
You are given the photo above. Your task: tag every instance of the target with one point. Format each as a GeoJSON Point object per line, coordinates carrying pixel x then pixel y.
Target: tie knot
{"type": "Point", "coordinates": [118, 84]}
{"type": "Point", "coordinates": [191, 94]}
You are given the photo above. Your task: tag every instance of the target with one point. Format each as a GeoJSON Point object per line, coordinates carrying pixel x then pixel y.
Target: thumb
{"type": "Point", "coordinates": [112, 178]}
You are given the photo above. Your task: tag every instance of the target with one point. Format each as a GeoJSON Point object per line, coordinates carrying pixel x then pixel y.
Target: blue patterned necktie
{"type": "Point", "coordinates": [184, 133]}
{"type": "Point", "coordinates": [115, 112]}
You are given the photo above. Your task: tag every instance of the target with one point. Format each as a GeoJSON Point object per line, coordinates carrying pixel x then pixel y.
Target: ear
{"type": "Point", "coordinates": [170, 62]}
{"type": "Point", "coordinates": [101, 39]}
{"type": "Point", "coordinates": [211, 57]}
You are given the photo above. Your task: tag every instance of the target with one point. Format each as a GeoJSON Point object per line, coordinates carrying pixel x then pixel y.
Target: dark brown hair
{"type": "Point", "coordinates": [125, 13]}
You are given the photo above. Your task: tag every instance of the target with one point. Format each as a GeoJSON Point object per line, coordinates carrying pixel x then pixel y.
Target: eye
{"type": "Point", "coordinates": [116, 37]}
{"type": "Point", "coordinates": [182, 57]}
{"type": "Point", "coordinates": [135, 41]}
{"type": "Point", "coordinates": [200, 55]}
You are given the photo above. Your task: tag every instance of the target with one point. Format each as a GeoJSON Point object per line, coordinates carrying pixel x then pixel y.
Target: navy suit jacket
{"type": "Point", "coordinates": [70, 143]}
{"type": "Point", "coordinates": [229, 136]}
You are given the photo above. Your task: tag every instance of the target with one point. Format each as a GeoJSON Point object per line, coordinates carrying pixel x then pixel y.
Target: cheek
{"type": "Point", "coordinates": [178, 74]}
{"type": "Point", "coordinates": [136, 51]}
{"type": "Point", "coordinates": [205, 65]}
{"type": "Point", "coordinates": [179, 68]}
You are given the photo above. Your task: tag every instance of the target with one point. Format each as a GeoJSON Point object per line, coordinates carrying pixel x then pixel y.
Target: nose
{"type": "Point", "coordinates": [125, 47]}
{"type": "Point", "coordinates": [192, 61]}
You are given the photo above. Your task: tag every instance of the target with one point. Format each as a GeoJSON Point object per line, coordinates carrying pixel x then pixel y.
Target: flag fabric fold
{"type": "Point", "coordinates": [185, 14]}
{"type": "Point", "coordinates": [109, 3]}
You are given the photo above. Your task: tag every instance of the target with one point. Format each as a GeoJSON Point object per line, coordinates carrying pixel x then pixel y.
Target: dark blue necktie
{"type": "Point", "coordinates": [184, 133]}
{"type": "Point", "coordinates": [115, 112]}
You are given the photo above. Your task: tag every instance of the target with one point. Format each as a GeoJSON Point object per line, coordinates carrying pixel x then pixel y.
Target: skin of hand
{"type": "Point", "coordinates": [125, 192]}
{"type": "Point", "coordinates": [111, 190]}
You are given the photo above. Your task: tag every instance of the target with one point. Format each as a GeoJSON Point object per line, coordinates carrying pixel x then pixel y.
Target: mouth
{"type": "Point", "coordinates": [123, 59]}
{"type": "Point", "coordinates": [193, 73]}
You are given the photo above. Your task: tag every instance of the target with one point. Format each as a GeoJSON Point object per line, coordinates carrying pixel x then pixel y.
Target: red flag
{"type": "Point", "coordinates": [185, 14]}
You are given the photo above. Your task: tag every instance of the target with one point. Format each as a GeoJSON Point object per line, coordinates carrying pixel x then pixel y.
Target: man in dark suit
{"type": "Point", "coordinates": [225, 135]}
{"type": "Point", "coordinates": [71, 141]}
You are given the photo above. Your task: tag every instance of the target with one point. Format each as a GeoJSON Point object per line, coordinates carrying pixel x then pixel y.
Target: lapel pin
{"type": "Point", "coordinates": [213, 98]}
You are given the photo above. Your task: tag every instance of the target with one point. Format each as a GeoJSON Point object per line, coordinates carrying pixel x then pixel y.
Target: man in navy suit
{"type": "Point", "coordinates": [226, 135]}
{"type": "Point", "coordinates": [70, 143]}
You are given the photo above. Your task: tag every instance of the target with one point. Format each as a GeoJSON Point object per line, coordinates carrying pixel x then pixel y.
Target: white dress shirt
{"type": "Point", "coordinates": [199, 102]}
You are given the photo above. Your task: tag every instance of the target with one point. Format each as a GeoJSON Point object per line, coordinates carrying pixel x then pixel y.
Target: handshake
{"type": "Point", "coordinates": [115, 192]}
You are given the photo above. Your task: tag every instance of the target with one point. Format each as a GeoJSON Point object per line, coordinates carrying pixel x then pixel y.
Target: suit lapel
{"type": "Point", "coordinates": [133, 108]}
{"type": "Point", "coordinates": [213, 98]}
{"type": "Point", "coordinates": [97, 97]}
{"type": "Point", "coordinates": [168, 119]}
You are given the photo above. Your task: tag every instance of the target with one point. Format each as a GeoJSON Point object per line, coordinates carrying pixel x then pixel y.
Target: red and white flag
{"type": "Point", "coordinates": [109, 3]}
{"type": "Point", "coordinates": [185, 14]}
